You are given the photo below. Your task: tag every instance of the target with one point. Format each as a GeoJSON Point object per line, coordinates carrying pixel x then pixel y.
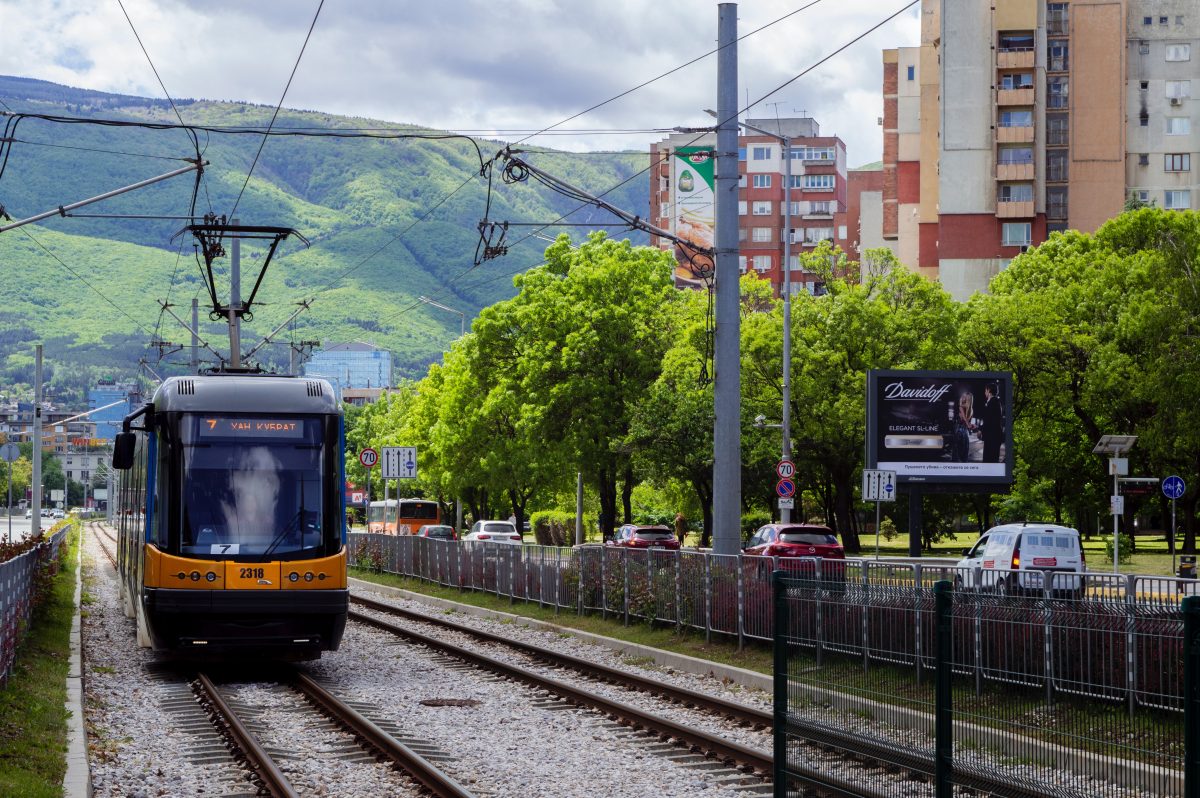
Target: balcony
{"type": "Point", "coordinates": [1056, 211]}
{"type": "Point", "coordinates": [1015, 58]}
{"type": "Point", "coordinates": [1007, 209]}
{"type": "Point", "coordinates": [1014, 171]}
{"type": "Point", "coordinates": [1014, 96]}
{"type": "Point", "coordinates": [1014, 135]}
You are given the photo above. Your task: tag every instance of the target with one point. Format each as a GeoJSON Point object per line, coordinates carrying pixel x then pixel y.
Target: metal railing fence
{"type": "Point", "coordinates": [17, 585]}
{"type": "Point", "coordinates": [985, 706]}
{"type": "Point", "coordinates": [1099, 635]}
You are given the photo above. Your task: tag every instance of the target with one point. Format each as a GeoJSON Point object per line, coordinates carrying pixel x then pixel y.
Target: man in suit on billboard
{"type": "Point", "coordinates": [992, 427]}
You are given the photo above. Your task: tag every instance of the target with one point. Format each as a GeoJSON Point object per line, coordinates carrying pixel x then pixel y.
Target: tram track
{"type": "Point", "coordinates": [826, 743]}
{"type": "Point", "coordinates": [378, 744]}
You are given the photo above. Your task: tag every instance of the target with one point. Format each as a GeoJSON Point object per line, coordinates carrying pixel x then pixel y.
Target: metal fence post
{"type": "Point", "coordinates": [741, 602]}
{"type": "Point", "coordinates": [1130, 641]}
{"type": "Point", "coordinates": [1048, 635]}
{"type": "Point", "coordinates": [708, 598]}
{"type": "Point", "coordinates": [650, 586]}
{"type": "Point", "coordinates": [625, 592]}
{"type": "Point", "coordinates": [866, 614]}
{"type": "Point", "coordinates": [678, 590]}
{"type": "Point", "coordinates": [1191, 697]}
{"type": "Point", "coordinates": [820, 614]}
{"type": "Point", "coordinates": [780, 683]}
{"type": "Point", "coordinates": [978, 647]}
{"type": "Point", "coordinates": [943, 760]}
{"type": "Point", "coordinates": [918, 636]}
{"type": "Point", "coordinates": [604, 582]}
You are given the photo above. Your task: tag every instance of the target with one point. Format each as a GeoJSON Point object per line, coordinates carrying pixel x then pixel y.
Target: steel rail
{"type": "Point", "coordinates": [828, 737]}
{"type": "Point", "coordinates": [731, 709]}
{"type": "Point", "coordinates": [722, 749]}
{"type": "Point", "coordinates": [260, 762]}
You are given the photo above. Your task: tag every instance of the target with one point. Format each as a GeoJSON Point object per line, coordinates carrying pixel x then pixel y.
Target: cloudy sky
{"type": "Point", "coordinates": [495, 68]}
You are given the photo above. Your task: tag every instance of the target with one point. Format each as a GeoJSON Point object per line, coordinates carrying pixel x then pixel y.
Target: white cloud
{"type": "Point", "coordinates": [472, 64]}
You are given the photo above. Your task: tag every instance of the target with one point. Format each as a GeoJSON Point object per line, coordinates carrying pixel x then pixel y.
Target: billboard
{"type": "Point", "coordinates": [948, 427]}
{"type": "Point", "coordinates": [693, 211]}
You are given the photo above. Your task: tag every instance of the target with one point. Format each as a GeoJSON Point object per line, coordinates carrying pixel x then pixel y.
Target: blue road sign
{"type": "Point", "coordinates": [1173, 487]}
{"type": "Point", "coordinates": [786, 488]}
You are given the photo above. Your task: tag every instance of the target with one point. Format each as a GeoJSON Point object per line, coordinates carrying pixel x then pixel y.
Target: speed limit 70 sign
{"type": "Point", "coordinates": [368, 457]}
{"type": "Point", "coordinates": [785, 469]}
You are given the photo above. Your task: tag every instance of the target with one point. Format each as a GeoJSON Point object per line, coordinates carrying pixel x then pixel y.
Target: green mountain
{"type": "Point", "coordinates": [387, 221]}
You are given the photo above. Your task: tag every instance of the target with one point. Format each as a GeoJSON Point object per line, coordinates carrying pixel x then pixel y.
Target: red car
{"type": "Point", "coordinates": [796, 540]}
{"type": "Point", "coordinates": [642, 536]}
{"type": "Point", "coordinates": [440, 531]}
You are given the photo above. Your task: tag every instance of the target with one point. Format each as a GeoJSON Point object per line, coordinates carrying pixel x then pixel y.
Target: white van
{"type": "Point", "coordinates": [1015, 558]}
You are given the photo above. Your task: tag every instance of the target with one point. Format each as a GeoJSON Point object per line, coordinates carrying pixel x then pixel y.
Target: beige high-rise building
{"type": "Point", "coordinates": [1017, 118]}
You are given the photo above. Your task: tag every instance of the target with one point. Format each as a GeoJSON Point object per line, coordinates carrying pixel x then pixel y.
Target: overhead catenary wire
{"type": "Point", "coordinates": [263, 143]}
{"type": "Point", "coordinates": [150, 60]}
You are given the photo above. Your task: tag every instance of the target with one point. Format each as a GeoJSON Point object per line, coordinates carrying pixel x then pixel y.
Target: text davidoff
{"type": "Point", "coordinates": [896, 390]}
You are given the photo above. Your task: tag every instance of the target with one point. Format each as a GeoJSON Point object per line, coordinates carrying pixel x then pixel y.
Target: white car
{"type": "Point", "coordinates": [494, 532]}
{"type": "Point", "coordinates": [1017, 558]}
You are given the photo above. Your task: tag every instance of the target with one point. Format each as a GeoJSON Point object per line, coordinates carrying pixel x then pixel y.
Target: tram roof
{"type": "Point", "coordinates": [240, 393]}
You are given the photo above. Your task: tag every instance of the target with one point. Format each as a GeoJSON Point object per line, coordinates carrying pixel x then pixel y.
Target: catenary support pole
{"type": "Point", "coordinates": [727, 460]}
{"type": "Point", "coordinates": [578, 508]}
{"type": "Point", "coordinates": [35, 528]}
{"type": "Point", "coordinates": [235, 302]}
{"type": "Point", "coordinates": [195, 362]}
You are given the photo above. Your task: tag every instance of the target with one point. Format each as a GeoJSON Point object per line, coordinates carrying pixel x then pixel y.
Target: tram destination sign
{"type": "Point", "coordinates": [234, 427]}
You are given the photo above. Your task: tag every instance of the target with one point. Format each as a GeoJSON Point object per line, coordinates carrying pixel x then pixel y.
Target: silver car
{"type": "Point", "coordinates": [494, 532]}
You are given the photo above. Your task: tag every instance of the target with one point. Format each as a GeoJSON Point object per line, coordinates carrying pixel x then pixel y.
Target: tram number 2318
{"type": "Point", "coordinates": [251, 573]}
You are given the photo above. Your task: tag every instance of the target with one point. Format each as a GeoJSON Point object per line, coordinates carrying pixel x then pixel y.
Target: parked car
{"type": "Point", "coordinates": [1015, 558]}
{"type": "Point", "coordinates": [439, 531]}
{"type": "Point", "coordinates": [494, 531]}
{"type": "Point", "coordinates": [796, 540]}
{"type": "Point", "coordinates": [29, 513]}
{"type": "Point", "coordinates": [644, 536]}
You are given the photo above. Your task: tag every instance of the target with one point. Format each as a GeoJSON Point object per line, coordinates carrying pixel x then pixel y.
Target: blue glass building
{"type": "Point", "coordinates": [352, 365]}
{"type": "Point", "coordinates": [108, 421]}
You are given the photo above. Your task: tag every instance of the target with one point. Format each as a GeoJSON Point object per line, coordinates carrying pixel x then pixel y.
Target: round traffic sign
{"type": "Point", "coordinates": [786, 469]}
{"type": "Point", "coordinates": [368, 457]}
{"type": "Point", "coordinates": [1173, 487]}
{"type": "Point", "coordinates": [9, 452]}
{"type": "Point", "coordinates": [786, 488]}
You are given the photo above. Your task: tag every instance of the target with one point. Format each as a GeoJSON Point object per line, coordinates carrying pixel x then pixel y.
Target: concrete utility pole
{"type": "Point", "coordinates": [36, 503]}
{"type": "Point", "coordinates": [195, 363]}
{"type": "Point", "coordinates": [727, 410]}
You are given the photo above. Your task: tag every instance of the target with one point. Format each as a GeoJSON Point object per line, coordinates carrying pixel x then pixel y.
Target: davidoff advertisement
{"type": "Point", "coordinates": [940, 426]}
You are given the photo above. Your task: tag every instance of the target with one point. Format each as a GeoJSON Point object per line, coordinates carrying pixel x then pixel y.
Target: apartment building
{"type": "Point", "coordinates": [682, 201]}
{"type": "Point", "coordinates": [355, 364]}
{"type": "Point", "coordinates": [1018, 118]}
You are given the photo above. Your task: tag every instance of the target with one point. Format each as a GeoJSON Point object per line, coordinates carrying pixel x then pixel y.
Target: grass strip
{"type": "Point", "coordinates": [33, 715]}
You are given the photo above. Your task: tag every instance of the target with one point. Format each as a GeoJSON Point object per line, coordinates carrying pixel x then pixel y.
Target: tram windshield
{"type": "Point", "coordinates": [252, 485]}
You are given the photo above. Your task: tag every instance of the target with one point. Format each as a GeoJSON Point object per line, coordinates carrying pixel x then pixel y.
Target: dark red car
{"type": "Point", "coordinates": [644, 536]}
{"type": "Point", "coordinates": [796, 540]}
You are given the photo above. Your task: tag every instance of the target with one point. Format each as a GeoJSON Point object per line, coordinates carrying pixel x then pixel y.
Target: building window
{"type": "Point", "coordinates": [741, 181]}
{"type": "Point", "coordinates": [794, 208]}
{"type": "Point", "coordinates": [1177, 200]}
{"type": "Point", "coordinates": [1143, 196]}
{"type": "Point", "coordinates": [1016, 119]}
{"type": "Point", "coordinates": [1056, 129]}
{"type": "Point", "coordinates": [762, 181]}
{"type": "Point", "coordinates": [1056, 92]}
{"type": "Point", "coordinates": [741, 207]}
{"type": "Point", "coordinates": [741, 234]}
{"type": "Point", "coordinates": [1147, 20]}
{"type": "Point", "coordinates": [1060, 56]}
{"type": "Point", "coordinates": [760, 154]}
{"type": "Point", "coordinates": [742, 263]}
{"type": "Point", "coordinates": [818, 181]}
{"type": "Point", "coordinates": [1057, 166]}
{"type": "Point", "coordinates": [912, 72]}
{"type": "Point", "coordinates": [1162, 20]}
{"type": "Point", "coordinates": [1017, 80]}
{"type": "Point", "coordinates": [741, 153]}
{"type": "Point", "coordinates": [812, 153]}
{"type": "Point", "coordinates": [794, 265]}
{"type": "Point", "coordinates": [1056, 203]}
{"type": "Point", "coordinates": [762, 263]}
{"type": "Point", "coordinates": [83, 475]}
{"type": "Point", "coordinates": [1178, 89]}
{"type": "Point", "coordinates": [761, 208]}
{"type": "Point", "coordinates": [1177, 162]}
{"type": "Point", "coordinates": [796, 181]}
{"type": "Point", "coordinates": [821, 206]}
{"type": "Point", "coordinates": [1016, 155]}
{"type": "Point", "coordinates": [1144, 119]}
{"type": "Point", "coordinates": [1144, 47]}
{"type": "Point", "coordinates": [1016, 192]}
{"type": "Point", "coordinates": [1144, 85]}
{"type": "Point", "coordinates": [815, 235]}
{"type": "Point", "coordinates": [1179, 19]}
{"type": "Point", "coordinates": [1056, 19]}
{"type": "Point", "coordinates": [1016, 42]}
{"type": "Point", "coordinates": [1179, 125]}
{"type": "Point", "coordinates": [1179, 52]}
{"type": "Point", "coordinates": [1016, 234]}
{"type": "Point", "coordinates": [1144, 159]}
{"type": "Point", "coordinates": [761, 235]}
{"type": "Point", "coordinates": [664, 209]}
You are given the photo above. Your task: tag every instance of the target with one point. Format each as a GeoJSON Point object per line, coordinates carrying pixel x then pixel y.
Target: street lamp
{"type": "Point", "coordinates": [785, 515]}
{"type": "Point", "coordinates": [462, 317]}
{"type": "Point", "coordinates": [1115, 446]}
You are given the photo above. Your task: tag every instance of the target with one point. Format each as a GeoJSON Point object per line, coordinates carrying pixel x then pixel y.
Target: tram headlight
{"type": "Point", "coordinates": [211, 576]}
{"type": "Point", "coordinates": [294, 577]}
{"type": "Point", "coordinates": [195, 576]}
{"type": "Point", "coordinates": [308, 577]}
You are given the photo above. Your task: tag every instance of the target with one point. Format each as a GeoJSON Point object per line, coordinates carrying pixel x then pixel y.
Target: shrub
{"type": "Point", "coordinates": [1126, 549]}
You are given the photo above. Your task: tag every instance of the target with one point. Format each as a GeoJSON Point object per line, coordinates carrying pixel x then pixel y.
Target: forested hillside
{"type": "Point", "coordinates": [388, 221]}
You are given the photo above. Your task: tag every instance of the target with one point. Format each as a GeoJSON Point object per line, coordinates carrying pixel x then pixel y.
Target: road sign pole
{"type": "Point", "coordinates": [877, 530]}
{"type": "Point", "coordinates": [10, 505]}
{"type": "Point", "coordinates": [1174, 570]}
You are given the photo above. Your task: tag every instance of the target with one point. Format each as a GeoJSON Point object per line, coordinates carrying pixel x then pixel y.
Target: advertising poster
{"type": "Point", "coordinates": [940, 426]}
{"type": "Point", "coordinates": [693, 206]}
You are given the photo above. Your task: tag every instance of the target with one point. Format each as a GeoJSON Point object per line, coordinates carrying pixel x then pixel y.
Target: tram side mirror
{"type": "Point", "coordinates": [123, 447]}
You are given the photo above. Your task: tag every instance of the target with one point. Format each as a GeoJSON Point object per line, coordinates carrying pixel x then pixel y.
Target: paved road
{"type": "Point", "coordinates": [21, 526]}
